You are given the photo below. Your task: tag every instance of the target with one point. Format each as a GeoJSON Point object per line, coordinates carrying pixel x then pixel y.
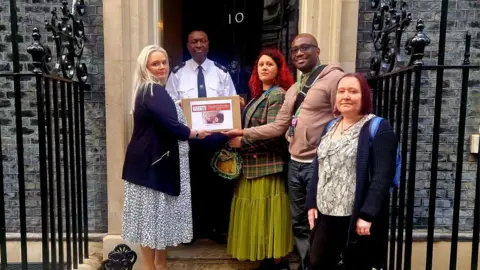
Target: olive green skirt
{"type": "Point", "coordinates": [260, 221]}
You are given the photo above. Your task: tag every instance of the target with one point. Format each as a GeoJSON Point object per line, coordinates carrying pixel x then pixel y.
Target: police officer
{"type": "Point", "coordinates": [199, 76]}
{"type": "Point", "coordinates": [211, 195]}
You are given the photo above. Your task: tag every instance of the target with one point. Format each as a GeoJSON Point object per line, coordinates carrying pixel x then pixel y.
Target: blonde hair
{"type": "Point", "coordinates": [142, 77]}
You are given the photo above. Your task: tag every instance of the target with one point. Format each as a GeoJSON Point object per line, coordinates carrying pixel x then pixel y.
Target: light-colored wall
{"type": "Point", "coordinates": [441, 255]}
{"type": "Point", "coordinates": [129, 25]}
{"type": "Point", "coordinates": [334, 23]}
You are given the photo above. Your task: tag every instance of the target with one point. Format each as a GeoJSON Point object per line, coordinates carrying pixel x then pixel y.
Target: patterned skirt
{"type": "Point", "coordinates": [260, 220]}
{"type": "Point", "coordinates": [157, 220]}
{"type": "Point", "coordinates": [154, 219]}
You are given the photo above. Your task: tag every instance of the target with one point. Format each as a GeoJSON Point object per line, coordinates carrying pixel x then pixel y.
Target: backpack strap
{"type": "Point", "coordinates": [303, 93]}
{"type": "Point", "coordinates": [374, 124]}
{"type": "Point", "coordinates": [331, 123]}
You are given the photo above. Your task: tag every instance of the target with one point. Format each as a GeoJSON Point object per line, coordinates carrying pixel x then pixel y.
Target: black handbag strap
{"type": "Point", "coordinates": [302, 94]}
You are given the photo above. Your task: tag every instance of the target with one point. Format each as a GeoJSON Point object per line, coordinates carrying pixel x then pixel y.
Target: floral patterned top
{"type": "Point", "coordinates": [337, 170]}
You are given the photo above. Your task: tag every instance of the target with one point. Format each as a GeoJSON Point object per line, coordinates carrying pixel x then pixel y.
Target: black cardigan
{"type": "Point", "coordinates": [375, 169]}
{"type": "Point", "coordinates": [152, 159]}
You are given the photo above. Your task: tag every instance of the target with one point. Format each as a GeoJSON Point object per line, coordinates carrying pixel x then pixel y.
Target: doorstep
{"type": "Point", "coordinates": [206, 254]}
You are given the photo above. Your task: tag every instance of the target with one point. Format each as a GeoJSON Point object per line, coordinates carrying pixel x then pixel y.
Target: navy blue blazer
{"type": "Point", "coordinates": [152, 159]}
{"type": "Point", "coordinates": [376, 163]}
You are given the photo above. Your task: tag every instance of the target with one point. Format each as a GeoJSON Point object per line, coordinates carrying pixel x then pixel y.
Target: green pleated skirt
{"type": "Point", "coordinates": [260, 221]}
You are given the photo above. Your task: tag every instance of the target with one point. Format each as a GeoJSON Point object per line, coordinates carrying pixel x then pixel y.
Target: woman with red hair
{"type": "Point", "coordinates": [260, 223]}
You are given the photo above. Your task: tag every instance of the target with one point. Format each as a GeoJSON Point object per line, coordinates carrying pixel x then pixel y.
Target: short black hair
{"type": "Point", "coordinates": [196, 30]}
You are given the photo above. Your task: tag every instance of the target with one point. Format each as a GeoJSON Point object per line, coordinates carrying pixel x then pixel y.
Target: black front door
{"type": "Point", "coordinates": [238, 29]}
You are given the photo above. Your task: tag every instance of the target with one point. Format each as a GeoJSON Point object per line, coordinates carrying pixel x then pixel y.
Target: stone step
{"type": "Point", "coordinates": [206, 254]}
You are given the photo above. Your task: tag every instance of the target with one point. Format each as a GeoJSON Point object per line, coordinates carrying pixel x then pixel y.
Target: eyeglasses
{"type": "Point", "coordinates": [303, 48]}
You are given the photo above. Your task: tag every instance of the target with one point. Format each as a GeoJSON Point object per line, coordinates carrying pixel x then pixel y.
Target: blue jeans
{"type": "Point", "coordinates": [299, 176]}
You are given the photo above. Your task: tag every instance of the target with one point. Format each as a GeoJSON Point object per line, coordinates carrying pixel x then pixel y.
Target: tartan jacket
{"type": "Point", "coordinates": [263, 157]}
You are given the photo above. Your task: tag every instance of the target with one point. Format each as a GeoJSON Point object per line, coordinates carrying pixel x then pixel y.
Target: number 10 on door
{"type": "Point", "coordinates": [238, 18]}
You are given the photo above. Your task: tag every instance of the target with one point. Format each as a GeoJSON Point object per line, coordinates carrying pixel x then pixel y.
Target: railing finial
{"type": "Point", "coordinates": [122, 257]}
{"type": "Point", "coordinates": [38, 52]}
{"type": "Point", "coordinates": [415, 46]}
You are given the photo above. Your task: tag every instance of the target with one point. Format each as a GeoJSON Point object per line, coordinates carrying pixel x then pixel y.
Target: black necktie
{"type": "Point", "coordinates": [202, 92]}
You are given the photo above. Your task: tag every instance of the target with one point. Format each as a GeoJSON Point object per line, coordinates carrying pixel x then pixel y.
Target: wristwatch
{"type": "Point", "coordinates": [196, 134]}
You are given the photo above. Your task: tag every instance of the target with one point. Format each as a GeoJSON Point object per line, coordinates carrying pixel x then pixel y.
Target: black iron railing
{"type": "Point", "coordinates": [61, 141]}
{"type": "Point", "coordinates": [396, 85]}
{"type": "Point", "coordinates": [397, 98]}
{"type": "Point", "coordinates": [61, 129]}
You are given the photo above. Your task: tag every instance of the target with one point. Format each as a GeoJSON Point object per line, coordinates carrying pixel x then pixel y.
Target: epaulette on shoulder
{"type": "Point", "coordinates": [221, 67]}
{"type": "Point", "coordinates": [177, 68]}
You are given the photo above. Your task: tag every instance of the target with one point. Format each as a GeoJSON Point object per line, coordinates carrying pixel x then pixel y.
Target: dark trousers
{"type": "Point", "coordinates": [329, 239]}
{"type": "Point", "coordinates": [299, 176]}
{"type": "Point", "coordinates": [211, 196]}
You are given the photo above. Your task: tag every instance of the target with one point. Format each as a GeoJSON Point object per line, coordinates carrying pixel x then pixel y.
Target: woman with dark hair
{"type": "Point", "coordinates": [260, 222]}
{"type": "Point", "coordinates": [348, 197]}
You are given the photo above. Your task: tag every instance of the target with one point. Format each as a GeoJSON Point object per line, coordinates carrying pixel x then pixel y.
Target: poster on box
{"type": "Point", "coordinates": [213, 114]}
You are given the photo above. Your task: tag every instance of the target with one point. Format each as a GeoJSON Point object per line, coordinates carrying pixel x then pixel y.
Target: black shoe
{"type": "Point", "coordinates": [266, 264]}
{"type": "Point", "coordinates": [218, 238]}
{"type": "Point", "coordinates": [282, 266]}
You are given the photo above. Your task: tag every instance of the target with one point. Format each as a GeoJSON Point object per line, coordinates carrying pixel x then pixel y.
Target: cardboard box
{"type": "Point", "coordinates": [214, 114]}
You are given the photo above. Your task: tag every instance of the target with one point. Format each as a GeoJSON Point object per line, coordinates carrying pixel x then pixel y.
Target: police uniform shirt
{"type": "Point", "coordinates": [182, 82]}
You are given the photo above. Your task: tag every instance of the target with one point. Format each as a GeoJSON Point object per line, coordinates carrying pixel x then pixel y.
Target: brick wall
{"type": "Point", "coordinates": [463, 16]}
{"type": "Point", "coordinates": [33, 13]}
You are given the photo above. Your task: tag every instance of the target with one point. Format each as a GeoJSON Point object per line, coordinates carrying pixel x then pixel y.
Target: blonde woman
{"type": "Point", "coordinates": [157, 211]}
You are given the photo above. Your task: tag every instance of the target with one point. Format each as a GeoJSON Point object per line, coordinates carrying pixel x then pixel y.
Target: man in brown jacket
{"type": "Point", "coordinates": [302, 123]}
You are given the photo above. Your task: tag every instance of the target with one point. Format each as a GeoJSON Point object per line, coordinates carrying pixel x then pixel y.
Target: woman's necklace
{"type": "Point", "coordinates": [344, 130]}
